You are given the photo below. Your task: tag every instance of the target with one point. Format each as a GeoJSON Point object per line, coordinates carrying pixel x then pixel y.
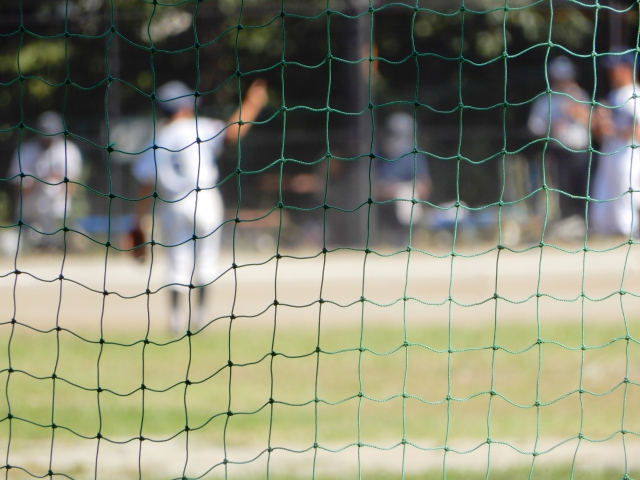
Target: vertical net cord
{"type": "Point", "coordinates": [271, 401]}
{"type": "Point", "coordinates": [19, 242]}
{"type": "Point", "coordinates": [634, 220]}
{"type": "Point", "coordinates": [64, 247]}
{"type": "Point", "coordinates": [496, 297]}
{"type": "Point", "coordinates": [450, 301]}
{"type": "Point", "coordinates": [235, 230]}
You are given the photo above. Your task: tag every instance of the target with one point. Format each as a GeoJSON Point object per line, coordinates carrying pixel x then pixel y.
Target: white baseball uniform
{"type": "Point", "coordinates": [43, 206]}
{"type": "Point", "coordinates": [177, 168]}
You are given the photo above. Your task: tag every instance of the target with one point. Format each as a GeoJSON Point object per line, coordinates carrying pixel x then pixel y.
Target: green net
{"type": "Point", "coordinates": [409, 253]}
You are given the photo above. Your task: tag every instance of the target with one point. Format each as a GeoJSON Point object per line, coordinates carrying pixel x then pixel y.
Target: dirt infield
{"type": "Point", "coordinates": [470, 282]}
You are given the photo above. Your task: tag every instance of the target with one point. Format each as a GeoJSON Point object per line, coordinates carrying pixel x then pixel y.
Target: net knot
{"type": "Point", "coordinates": [370, 106]}
{"type": "Point", "coordinates": [105, 293]}
{"type": "Point", "coordinates": [21, 125]}
{"type": "Point", "coordinates": [99, 390]}
{"type": "Point", "coordinates": [58, 328]}
{"type": "Point", "coordinates": [186, 428]}
{"type": "Point", "coordinates": [362, 299]}
{"type": "Point", "coordinates": [17, 272]}
{"type": "Point", "coordinates": [13, 321]}
{"type": "Point", "coordinates": [153, 50]}
{"type": "Point", "coordinates": [269, 449]}
{"type": "Point", "coordinates": [10, 370]}
{"type": "Point", "coordinates": [271, 401]}
{"type": "Point", "coordinates": [318, 350]}
{"type": "Point", "coordinates": [113, 29]}
{"type": "Point", "coordinates": [230, 413]}
{"type": "Point", "coordinates": [98, 435]}
{"type": "Point", "coordinates": [230, 364]}
{"type": "Point", "coordinates": [492, 393]}
{"type": "Point", "coordinates": [627, 338]}
{"type": "Point", "coordinates": [67, 81]}
{"type": "Point", "coordinates": [238, 73]}
{"type": "Point", "coordinates": [143, 387]}
{"type": "Point", "coordinates": [282, 14]}
{"type": "Point", "coordinates": [147, 292]}
{"type": "Point", "coordinates": [22, 29]}
{"type": "Point", "coordinates": [196, 45]}
{"type": "Point", "coordinates": [315, 445]}
{"type": "Point", "coordinates": [324, 250]}
{"type": "Point", "coordinates": [225, 461]}
{"type": "Point", "coordinates": [280, 205]}
{"type": "Point", "coordinates": [367, 251]}
{"type": "Point", "coordinates": [141, 438]}
{"type": "Point", "coordinates": [360, 394]}
{"type": "Point", "coordinates": [371, 9]}
{"type": "Point", "coordinates": [536, 403]}
{"type": "Point", "coordinates": [462, 8]}
{"type": "Point", "coordinates": [276, 303]}
{"type": "Point", "coordinates": [321, 300]}
{"type": "Point", "coordinates": [360, 445]}
{"type": "Point", "coordinates": [273, 354]}
{"type": "Point", "coordinates": [405, 395]}
{"type": "Point", "coordinates": [101, 341]}
{"type": "Point", "coordinates": [329, 12]}
{"type": "Point", "coordinates": [107, 244]}
{"type": "Point", "coordinates": [232, 317]}
{"type": "Point", "coordinates": [189, 333]}
{"type": "Point", "coordinates": [325, 206]}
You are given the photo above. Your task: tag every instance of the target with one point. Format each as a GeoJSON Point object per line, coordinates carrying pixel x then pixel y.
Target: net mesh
{"type": "Point", "coordinates": [444, 382]}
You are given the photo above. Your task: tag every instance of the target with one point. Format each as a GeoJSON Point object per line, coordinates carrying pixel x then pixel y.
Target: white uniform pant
{"type": "Point", "coordinates": [192, 261]}
{"type": "Point", "coordinates": [614, 175]}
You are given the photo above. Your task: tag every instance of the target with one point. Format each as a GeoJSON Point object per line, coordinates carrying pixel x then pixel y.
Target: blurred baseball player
{"type": "Point", "coordinates": [44, 200]}
{"type": "Point", "coordinates": [185, 161]}
{"type": "Point", "coordinates": [569, 126]}
{"type": "Point", "coordinates": [618, 170]}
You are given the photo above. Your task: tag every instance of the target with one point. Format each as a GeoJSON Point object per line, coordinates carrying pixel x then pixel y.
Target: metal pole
{"type": "Point", "coordinates": [354, 186]}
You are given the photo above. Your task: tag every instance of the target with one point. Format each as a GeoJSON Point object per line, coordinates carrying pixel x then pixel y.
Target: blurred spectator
{"type": "Point", "coordinates": [569, 127]}
{"type": "Point", "coordinates": [184, 161]}
{"type": "Point", "coordinates": [44, 200]}
{"type": "Point", "coordinates": [618, 170]}
{"type": "Point", "coordinates": [396, 173]}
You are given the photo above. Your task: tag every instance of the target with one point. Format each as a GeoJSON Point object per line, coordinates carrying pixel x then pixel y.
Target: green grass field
{"type": "Point", "coordinates": [519, 372]}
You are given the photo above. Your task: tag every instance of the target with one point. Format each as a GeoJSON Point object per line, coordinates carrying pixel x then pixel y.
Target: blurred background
{"type": "Point", "coordinates": [91, 105]}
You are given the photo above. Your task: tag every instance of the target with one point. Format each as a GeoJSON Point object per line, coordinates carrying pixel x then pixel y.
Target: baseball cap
{"type": "Point", "coordinates": [561, 69]}
{"type": "Point", "coordinates": [619, 55]}
{"type": "Point", "coordinates": [174, 96]}
{"type": "Point", "coordinates": [50, 123]}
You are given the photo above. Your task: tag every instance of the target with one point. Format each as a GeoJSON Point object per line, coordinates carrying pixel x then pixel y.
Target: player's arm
{"type": "Point", "coordinates": [254, 101]}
